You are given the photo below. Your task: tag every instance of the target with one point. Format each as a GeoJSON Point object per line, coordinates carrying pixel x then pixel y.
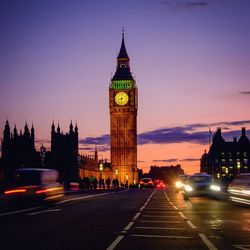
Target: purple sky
{"type": "Point", "coordinates": [191, 61]}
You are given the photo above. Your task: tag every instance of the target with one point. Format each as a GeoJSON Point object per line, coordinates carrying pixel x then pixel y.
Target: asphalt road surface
{"type": "Point", "coordinates": [128, 219]}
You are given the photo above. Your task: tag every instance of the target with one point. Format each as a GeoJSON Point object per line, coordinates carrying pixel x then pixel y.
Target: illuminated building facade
{"type": "Point", "coordinates": [123, 105]}
{"type": "Point", "coordinates": [225, 159]}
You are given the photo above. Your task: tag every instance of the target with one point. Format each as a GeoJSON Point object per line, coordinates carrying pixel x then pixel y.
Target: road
{"type": "Point", "coordinates": [128, 219]}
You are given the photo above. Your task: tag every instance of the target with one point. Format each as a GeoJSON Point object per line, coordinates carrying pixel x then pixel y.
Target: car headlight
{"type": "Point", "coordinates": [178, 184]}
{"type": "Point", "coordinates": [188, 188]}
{"type": "Point", "coordinates": [215, 188]}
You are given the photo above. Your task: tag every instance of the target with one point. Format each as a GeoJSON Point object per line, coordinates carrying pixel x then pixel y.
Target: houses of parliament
{"type": "Point", "coordinates": [18, 149]}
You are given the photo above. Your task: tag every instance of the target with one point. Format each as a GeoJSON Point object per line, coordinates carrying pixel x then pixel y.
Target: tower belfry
{"type": "Point", "coordinates": [123, 105]}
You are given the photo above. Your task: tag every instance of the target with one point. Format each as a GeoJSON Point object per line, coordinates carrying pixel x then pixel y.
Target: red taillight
{"type": "Point", "coordinates": [42, 191]}
{"type": "Point", "coordinates": [46, 190]}
{"type": "Point", "coordinates": [15, 191]}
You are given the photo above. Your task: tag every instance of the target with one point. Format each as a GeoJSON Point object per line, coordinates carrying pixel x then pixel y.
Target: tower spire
{"type": "Point", "coordinates": [123, 67]}
{"type": "Point", "coordinates": [123, 52]}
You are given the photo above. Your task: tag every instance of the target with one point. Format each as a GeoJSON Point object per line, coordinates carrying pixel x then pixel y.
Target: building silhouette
{"type": "Point", "coordinates": [123, 105]}
{"type": "Point", "coordinates": [165, 173]}
{"type": "Point", "coordinates": [18, 150]}
{"type": "Point", "coordinates": [225, 159]}
{"type": "Point", "coordinates": [64, 152]}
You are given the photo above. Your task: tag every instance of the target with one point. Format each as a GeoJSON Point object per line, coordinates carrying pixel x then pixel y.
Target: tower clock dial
{"type": "Point", "coordinates": [121, 98]}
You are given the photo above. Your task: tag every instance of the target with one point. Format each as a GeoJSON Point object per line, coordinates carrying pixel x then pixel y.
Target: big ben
{"type": "Point", "coordinates": [123, 105]}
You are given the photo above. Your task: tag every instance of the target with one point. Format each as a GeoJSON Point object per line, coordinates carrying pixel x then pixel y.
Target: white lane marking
{"type": "Point", "coordinates": [182, 216]}
{"type": "Point", "coordinates": [81, 198]}
{"type": "Point", "coordinates": [20, 211]}
{"type": "Point", "coordinates": [137, 215]}
{"type": "Point", "coordinates": [162, 228]}
{"type": "Point", "coordinates": [45, 211]}
{"type": "Point", "coordinates": [161, 236]}
{"type": "Point", "coordinates": [161, 216]}
{"type": "Point", "coordinates": [242, 247]}
{"type": "Point", "coordinates": [146, 203]}
{"type": "Point", "coordinates": [120, 237]}
{"type": "Point", "coordinates": [130, 224]}
{"type": "Point", "coordinates": [142, 208]}
{"type": "Point", "coordinates": [207, 242]}
{"type": "Point", "coordinates": [166, 195]}
{"type": "Point", "coordinates": [191, 224]}
{"type": "Point", "coordinates": [157, 221]}
{"type": "Point", "coordinates": [115, 242]}
{"type": "Point", "coordinates": [188, 204]}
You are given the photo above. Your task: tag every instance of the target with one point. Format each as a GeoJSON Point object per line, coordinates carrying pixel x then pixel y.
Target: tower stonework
{"type": "Point", "coordinates": [123, 105]}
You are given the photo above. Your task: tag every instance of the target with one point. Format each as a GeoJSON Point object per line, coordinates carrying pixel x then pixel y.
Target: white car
{"type": "Point", "coordinates": [239, 189]}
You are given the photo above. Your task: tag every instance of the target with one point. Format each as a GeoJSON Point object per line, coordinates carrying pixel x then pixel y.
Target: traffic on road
{"type": "Point", "coordinates": [147, 218]}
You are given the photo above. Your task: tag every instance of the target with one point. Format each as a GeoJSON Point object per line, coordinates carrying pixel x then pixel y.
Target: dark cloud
{"type": "Point", "coordinates": [192, 133]}
{"type": "Point", "coordinates": [232, 123]}
{"type": "Point", "coordinates": [86, 148]}
{"type": "Point", "coordinates": [190, 159]}
{"type": "Point", "coordinates": [101, 140]}
{"type": "Point", "coordinates": [100, 148]}
{"type": "Point", "coordinates": [166, 160]}
{"type": "Point", "coordinates": [185, 4]}
{"type": "Point", "coordinates": [173, 135]}
{"type": "Point", "coordinates": [104, 148]}
{"type": "Point", "coordinates": [245, 92]}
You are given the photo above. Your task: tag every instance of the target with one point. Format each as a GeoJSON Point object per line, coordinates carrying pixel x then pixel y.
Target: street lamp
{"type": "Point", "coordinates": [100, 168]}
{"type": "Point", "coordinates": [42, 155]}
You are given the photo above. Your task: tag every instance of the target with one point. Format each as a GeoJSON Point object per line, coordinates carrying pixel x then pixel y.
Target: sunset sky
{"type": "Point", "coordinates": [190, 59]}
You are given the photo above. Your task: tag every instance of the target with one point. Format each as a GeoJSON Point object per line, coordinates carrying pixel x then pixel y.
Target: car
{"type": "Point", "coordinates": [146, 183]}
{"type": "Point", "coordinates": [180, 182]}
{"type": "Point", "coordinates": [239, 189]}
{"type": "Point", "coordinates": [159, 184]}
{"type": "Point", "coordinates": [201, 184]}
{"type": "Point", "coordinates": [36, 184]}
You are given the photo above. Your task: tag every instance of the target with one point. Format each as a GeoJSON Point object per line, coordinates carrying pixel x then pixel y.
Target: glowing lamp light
{"type": "Point", "coordinates": [178, 184]}
{"type": "Point", "coordinates": [238, 164]}
{"type": "Point", "coordinates": [188, 188]}
{"type": "Point", "coordinates": [101, 167]}
{"type": "Point", "coordinates": [215, 188]}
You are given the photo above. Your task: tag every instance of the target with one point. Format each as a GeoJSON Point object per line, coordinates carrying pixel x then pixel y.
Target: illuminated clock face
{"type": "Point", "coordinates": [121, 98]}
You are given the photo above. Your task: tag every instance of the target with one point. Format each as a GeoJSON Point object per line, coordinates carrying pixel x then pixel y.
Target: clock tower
{"type": "Point", "coordinates": [123, 104]}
